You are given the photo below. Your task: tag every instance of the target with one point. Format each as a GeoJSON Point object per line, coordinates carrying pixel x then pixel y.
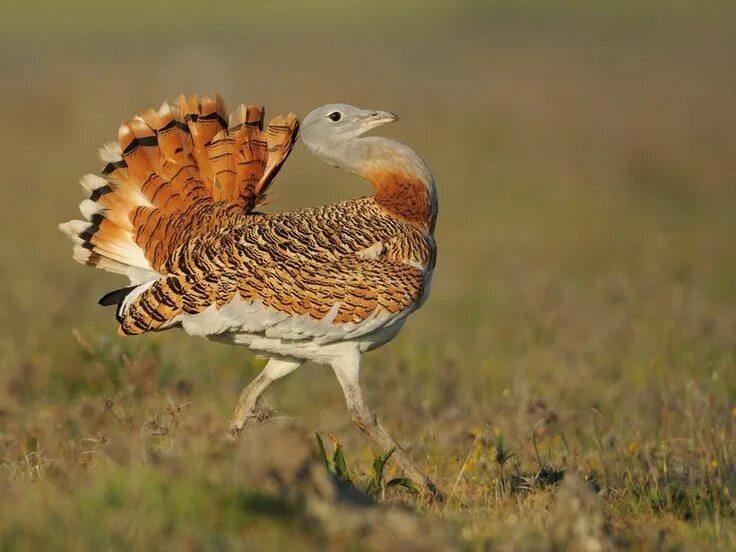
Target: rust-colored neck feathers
{"type": "Point", "coordinates": [403, 182]}
{"type": "Point", "coordinates": [403, 194]}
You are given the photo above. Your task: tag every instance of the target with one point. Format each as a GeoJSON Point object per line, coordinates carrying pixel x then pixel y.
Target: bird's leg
{"type": "Point", "coordinates": [245, 410]}
{"type": "Point", "coordinates": [347, 370]}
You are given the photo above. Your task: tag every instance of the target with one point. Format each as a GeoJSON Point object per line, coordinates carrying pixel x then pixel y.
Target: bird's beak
{"type": "Point", "coordinates": [375, 119]}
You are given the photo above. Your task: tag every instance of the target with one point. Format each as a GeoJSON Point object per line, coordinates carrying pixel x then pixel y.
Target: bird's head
{"type": "Point", "coordinates": [335, 124]}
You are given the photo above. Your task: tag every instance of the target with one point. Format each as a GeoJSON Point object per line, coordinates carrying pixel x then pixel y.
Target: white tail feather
{"type": "Point", "coordinates": [92, 182]}
{"type": "Point", "coordinates": [111, 153]}
{"type": "Point", "coordinates": [90, 208]}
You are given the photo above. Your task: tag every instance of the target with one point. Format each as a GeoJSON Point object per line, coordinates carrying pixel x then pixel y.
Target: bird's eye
{"type": "Point", "coordinates": [335, 116]}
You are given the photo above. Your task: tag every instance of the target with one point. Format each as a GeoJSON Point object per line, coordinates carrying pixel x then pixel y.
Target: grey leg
{"type": "Point", "coordinates": [245, 410]}
{"type": "Point", "coordinates": [347, 370]}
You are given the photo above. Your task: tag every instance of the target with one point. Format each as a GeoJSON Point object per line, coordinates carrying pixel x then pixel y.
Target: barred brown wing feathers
{"type": "Point", "coordinates": [204, 119]}
{"type": "Point", "coordinates": [174, 145]}
{"type": "Point", "coordinates": [246, 126]}
{"type": "Point", "coordinates": [281, 136]}
{"type": "Point", "coordinates": [263, 266]}
{"type": "Point", "coordinates": [175, 173]}
{"type": "Point", "coordinates": [360, 290]}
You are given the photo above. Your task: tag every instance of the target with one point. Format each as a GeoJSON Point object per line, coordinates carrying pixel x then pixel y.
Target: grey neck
{"type": "Point", "coordinates": [372, 154]}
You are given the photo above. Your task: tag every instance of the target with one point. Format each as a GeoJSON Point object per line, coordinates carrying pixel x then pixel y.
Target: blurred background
{"type": "Point", "coordinates": [585, 158]}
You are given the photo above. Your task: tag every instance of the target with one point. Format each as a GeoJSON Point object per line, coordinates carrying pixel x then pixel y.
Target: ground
{"type": "Point", "coordinates": [571, 382]}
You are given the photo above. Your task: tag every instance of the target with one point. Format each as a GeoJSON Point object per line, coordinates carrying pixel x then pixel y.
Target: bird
{"type": "Point", "coordinates": [174, 210]}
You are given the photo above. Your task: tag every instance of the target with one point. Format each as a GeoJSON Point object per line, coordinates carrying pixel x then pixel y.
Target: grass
{"type": "Point", "coordinates": [570, 384]}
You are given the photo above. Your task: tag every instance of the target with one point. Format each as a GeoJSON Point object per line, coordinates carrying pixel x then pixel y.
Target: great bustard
{"type": "Point", "coordinates": [173, 211]}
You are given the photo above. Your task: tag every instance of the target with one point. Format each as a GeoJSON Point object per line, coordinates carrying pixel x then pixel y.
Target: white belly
{"type": "Point", "coordinates": [309, 349]}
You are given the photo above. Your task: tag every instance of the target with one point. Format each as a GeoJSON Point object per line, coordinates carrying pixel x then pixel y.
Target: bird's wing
{"type": "Point", "coordinates": [251, 281]}
{"type": "Point", "coordinates": [185, 170]}
{"type": "Point", "coordinates": [327, 301]}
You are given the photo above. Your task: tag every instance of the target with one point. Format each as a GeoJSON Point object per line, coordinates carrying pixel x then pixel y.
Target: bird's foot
{"type": "Point", "coordinates": [426, 487]}
{"type": "Point", "coordinates": [258, 415]}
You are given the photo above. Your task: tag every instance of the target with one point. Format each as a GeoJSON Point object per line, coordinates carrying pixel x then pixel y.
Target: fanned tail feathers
{"type": "Point", "coordinates": [174, 173]}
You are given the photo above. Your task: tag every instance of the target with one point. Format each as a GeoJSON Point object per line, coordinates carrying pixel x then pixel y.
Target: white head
{"type": "Point", "coordinates": [334, 133]}
{"type": "Point", "coordinates": [335, 124]}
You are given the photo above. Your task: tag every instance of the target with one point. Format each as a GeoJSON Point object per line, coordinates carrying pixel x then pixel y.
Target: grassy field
{"type": "Point", "coordinates": [571, 382]}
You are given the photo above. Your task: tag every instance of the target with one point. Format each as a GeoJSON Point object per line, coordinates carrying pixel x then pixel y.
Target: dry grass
{"type": "Point", "coordinates": [572, 380]}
